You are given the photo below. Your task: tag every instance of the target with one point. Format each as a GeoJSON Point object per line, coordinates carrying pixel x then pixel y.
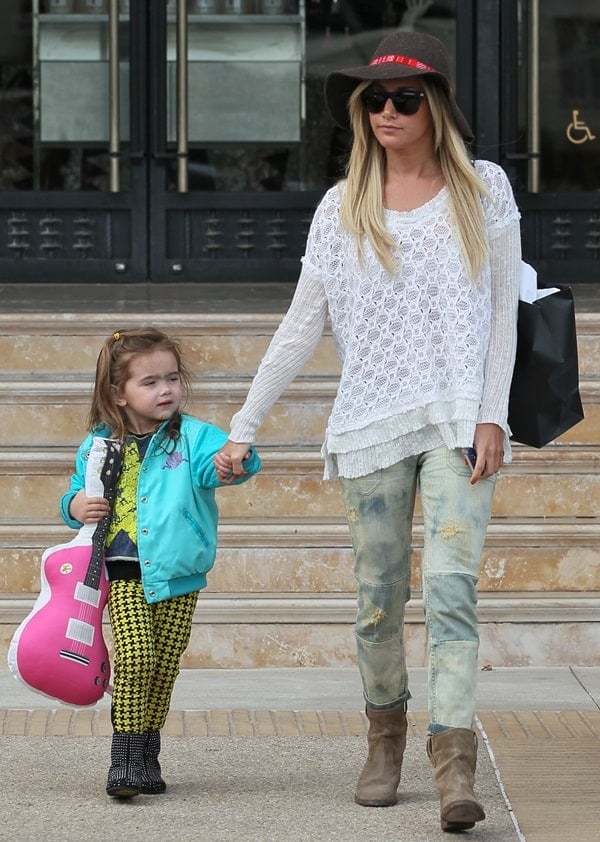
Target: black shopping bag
{"type": "Point", "coordinates": [544, 396]}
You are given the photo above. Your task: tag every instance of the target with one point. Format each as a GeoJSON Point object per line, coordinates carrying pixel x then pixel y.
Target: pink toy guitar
{"type": "Point", "coordinates": [58, 650]}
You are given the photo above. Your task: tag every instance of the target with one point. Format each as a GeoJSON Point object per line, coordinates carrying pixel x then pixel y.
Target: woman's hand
{"type": "Point", "coordinates": [88, 509]}
{"type": "Point", "coordinates": [229, 460]}
{"type": "Point", "coordinates": [489, 446]}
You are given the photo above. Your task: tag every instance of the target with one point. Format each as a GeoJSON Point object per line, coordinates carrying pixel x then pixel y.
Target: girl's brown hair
{"type": "Point", "coordinates": [112, 371]}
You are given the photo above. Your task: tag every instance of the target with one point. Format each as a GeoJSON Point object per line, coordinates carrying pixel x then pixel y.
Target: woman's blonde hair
{"type": "Point", "coordinates": [362, 208]}
{"type": "Point", "coordinates": [112, 371]}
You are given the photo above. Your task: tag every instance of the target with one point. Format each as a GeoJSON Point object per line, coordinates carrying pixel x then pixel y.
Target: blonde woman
{"type": "Point", "coordinates": [414, 257]}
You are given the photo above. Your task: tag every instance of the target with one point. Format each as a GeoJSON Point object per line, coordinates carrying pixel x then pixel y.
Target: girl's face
{"type": "Point", "coordinates": [152, 392]}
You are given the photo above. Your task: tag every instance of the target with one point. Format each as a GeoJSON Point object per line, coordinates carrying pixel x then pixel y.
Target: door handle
{"type": "Point", "coordinates": [533, 127]}
{"type": "Point", "coordinates": [182, 97]}
{"type": "Point", "coordinates": [114, 97]}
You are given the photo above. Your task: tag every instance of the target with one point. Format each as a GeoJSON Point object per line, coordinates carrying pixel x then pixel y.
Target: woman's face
{"type": "Point", "coordinates": [394, 130]}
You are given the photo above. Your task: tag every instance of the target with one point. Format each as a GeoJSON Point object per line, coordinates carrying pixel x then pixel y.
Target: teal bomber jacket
{"type": "Point", "coordinates": [177, 513]}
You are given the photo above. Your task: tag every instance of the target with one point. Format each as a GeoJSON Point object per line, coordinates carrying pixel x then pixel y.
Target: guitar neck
{"type": "Point", "coordinates": [109, 476]}
{"type": "Point", "coordinates": [94, 570]}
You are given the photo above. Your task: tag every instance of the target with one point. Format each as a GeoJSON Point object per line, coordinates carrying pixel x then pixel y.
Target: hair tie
{"type": "Point", "coordinates": [116, 335]}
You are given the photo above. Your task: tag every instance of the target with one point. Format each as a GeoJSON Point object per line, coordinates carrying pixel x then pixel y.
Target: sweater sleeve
{"type": "Point", "coordinates": [505, 257]}
{"type": "Point", "coordinates": [293, 344]}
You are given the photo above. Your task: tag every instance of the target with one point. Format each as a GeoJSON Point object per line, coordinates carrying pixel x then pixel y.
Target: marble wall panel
{"type": "Point", "coordinates": [547, 495]}
{"type": "Point", "coordinates": [240, 356]}
{"type": "Point", "coordinates": [266, 496]}
{"type": "Point", "coordinates": [540, 644]}
{"type": "Point", "coordinates": [19, 571]}
{"type": "Point", "coordinates": [49, 354]}
{"type": "Point", "coordinates": [588, 351]}
{"type": "Point", "coordinates": [42, 424]}
{"type": "Point", "coordinates": [550, 569]}
{"type": "Point", "coordinates": [282, 570]}
{"type": "Point", "coordinates": [32, 496]}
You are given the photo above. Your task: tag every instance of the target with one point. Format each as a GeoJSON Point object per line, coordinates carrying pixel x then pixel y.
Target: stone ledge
{"type": "Point", "coordinates": [213, 609]}
{"type": "Point", "coordinates": [554, 458]}
{"type": "Point", "coordinates": [332, 532]}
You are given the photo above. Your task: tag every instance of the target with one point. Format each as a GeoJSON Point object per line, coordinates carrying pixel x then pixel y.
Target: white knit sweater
{"type": "Point", "coordinates": [426, 353]}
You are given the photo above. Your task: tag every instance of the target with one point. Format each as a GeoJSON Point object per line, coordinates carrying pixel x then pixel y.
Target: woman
{"type": "Point", "coordinates": [414, 257]}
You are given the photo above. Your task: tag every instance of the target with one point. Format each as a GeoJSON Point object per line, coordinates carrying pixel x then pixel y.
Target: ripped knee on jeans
{"type": "Point", "coordinates": [377, 617]}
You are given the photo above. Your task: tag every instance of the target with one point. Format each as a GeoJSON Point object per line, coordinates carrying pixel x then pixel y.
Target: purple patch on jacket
{"type": "Point", "coordinates": [174, 460]}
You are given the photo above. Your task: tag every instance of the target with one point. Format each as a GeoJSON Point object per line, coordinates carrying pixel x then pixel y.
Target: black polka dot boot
{"type": "Point", "coordinates": [127, 760]}
{"type": "Point", "coordinates": [152, 782]}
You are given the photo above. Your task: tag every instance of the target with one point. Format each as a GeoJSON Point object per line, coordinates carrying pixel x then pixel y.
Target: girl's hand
{"type": "Point", "coordinates": [228, 461]}
{"type": "Point", "coordinates": [489, 445]}
{"type": "Point", "coordinates": [88, 509]}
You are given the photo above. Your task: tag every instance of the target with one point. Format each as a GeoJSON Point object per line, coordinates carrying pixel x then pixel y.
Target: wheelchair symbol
{"type": "Point", "coordinates": [577, 131]}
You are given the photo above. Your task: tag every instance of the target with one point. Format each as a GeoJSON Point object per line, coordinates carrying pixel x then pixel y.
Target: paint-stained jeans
{"type": "Point", "coordinates": [380, 508]}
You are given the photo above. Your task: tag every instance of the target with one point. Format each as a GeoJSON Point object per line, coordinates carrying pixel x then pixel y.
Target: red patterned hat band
{"type": "Point", "coordinates": [407, 60]}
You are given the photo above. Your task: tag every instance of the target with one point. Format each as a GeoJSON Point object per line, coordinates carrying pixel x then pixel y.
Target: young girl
{"type": "Point", "coordinates": [162, 537]}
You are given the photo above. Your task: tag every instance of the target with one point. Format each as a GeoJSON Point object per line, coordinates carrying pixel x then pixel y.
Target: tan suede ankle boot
{"type": "Point", "coordinates": [453, 755]}
{"type": "Point", "coordinates": [378, 782]}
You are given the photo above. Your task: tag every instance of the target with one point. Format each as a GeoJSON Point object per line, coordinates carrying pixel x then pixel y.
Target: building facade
{"type": "Point", "coordinates": [187, 140]}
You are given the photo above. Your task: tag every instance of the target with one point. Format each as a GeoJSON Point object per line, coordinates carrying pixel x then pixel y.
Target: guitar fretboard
{"type": "Point", "coordinates": [109, 475]}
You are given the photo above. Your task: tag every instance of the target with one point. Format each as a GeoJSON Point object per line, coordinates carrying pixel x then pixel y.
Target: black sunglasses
{"type": "Point", "coordinates": [404, 100]}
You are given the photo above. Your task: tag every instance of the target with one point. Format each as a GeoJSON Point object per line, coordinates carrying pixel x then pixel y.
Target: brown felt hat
{"type": "Point", "coordinates": [402, 53]}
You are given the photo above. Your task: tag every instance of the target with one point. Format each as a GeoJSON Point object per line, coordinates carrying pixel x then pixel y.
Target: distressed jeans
{"type": "Point", "coordinates": [380, 510]}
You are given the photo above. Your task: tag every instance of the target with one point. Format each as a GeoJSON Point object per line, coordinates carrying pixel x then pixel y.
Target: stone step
{"type": "Point", "coordinates": [282, 590]}
{"type": "Point", "coordinates": [54, 413]}
{"type": "Point", "coordinates": [215, 345]}
{"type": "Point", "coordinates": [238, 631]}
{"type": "Point", "coordinates": [556, 481]}
{"type": "Point", "coordinates": [314, 556]}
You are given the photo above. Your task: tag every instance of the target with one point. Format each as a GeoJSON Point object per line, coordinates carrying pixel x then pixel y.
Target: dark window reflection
{"type": "Point", "coordinates": [16, 96]}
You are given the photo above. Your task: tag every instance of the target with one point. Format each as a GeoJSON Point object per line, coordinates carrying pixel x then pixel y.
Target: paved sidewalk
{"type": "Point", "coordinates": [274, 755]}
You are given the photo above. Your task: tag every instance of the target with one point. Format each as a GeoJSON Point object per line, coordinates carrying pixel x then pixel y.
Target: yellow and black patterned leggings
{"type": "Point", "coordinates": [149, 641]}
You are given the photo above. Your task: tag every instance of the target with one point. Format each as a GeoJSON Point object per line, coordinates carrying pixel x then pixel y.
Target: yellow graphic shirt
{"type": "Point", "coordinates": [121, 540]}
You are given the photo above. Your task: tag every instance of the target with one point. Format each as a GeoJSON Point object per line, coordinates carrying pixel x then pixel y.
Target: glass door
{"type": "Point", "coordinates": [557, 127]}
{"type": "Point", "coordinates": [71, 148]}
{"type": "Point", "coordinates": [228, 163]}
{"type": "Point", "coordinates": [562, 99]}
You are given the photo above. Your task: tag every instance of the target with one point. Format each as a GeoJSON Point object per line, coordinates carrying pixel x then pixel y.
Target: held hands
{"type": "Point", "coordinates": [489, 446]}
{"type": "Point", "coordinates": [88, 509]}
{"type": "Point", "coordinates": [229, 460]}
